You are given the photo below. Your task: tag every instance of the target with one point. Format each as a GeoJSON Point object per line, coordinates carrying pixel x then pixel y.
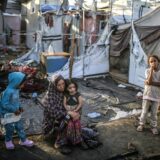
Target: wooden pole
{"type": "Point", "coordinates": [73, 44]}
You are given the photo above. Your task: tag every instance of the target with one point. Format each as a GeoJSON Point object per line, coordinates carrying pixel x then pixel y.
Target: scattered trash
{"type": "Point", "coordinates": [93, 115]}
{"type": "Point", "coordinates": [122, 114]}
{"type": "Point", "coordinates": [34, 95]}
{"type": "Point", "coordinates": [121, 86]}
{"type": "Point", "coordinates": [110, 113]}
{"type": "Point", "coordinates": [131, 146]}
{"type": "Point", "coordinates": [93, 143]}
{"type": "Point", "coordinates": [89, 133]}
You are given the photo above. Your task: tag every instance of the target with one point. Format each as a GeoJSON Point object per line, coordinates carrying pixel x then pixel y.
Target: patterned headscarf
{"type": "Point", "coordinates": [53, 100]}
{"type": "Point", "coordinates": [55, 79]}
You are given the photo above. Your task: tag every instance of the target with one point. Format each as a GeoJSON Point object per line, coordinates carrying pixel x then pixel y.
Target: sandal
{"type": "Point", "coordinates": [56, 146]}
{"type": "Point", "coordinates": [154, 131]}
{"type": "Point", "coordinates": [140, 128]}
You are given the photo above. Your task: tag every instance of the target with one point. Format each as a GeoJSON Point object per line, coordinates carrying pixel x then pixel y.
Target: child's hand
{"type": "Point", "coordinates": [75, 110]}
{"type": "Point", "coordinates": [152, 66]}
{"type": "Point", "coordinates": [17, 112]}
{"type": "Point", "coordinates": [146, 82]}
{"type": "Point", "coordinates": [74, 115]}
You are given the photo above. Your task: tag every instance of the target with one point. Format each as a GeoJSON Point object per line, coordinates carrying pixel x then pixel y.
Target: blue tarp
{"type": "Point", "coordinates": [47, 7]}
{"type": "Point", "coordinates": [54, 8]}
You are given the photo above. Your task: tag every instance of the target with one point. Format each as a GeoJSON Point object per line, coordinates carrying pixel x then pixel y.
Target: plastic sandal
{"type": "Point", "coordinates": [140, 128]}
{"type": "Point", "coordinates": [155, 131]}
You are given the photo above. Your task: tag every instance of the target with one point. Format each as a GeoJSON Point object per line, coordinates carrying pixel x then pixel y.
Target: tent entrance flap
{"type": "Point", "coordinates": [119, 53]}
{"type": "Point", "coordinates": [138, 61]}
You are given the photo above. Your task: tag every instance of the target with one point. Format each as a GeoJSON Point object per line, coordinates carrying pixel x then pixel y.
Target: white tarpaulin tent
{"type": "Point", "coordinates": [144, 35]}
{"type": "Point", "coordinates": [94, 61]}
{"type": "Point", "coordinates": [49, 39]}
{"type": "Point", "coordinates": [145, 41]}
{"type": "Point", "coordinates": [138, 61]}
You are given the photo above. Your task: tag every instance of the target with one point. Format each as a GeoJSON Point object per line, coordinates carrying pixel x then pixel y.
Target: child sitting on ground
{"type": "Point", "coordinates": [10, 105]}
{"type": "Point", "coordinates": [73, 104]}
{"type": "Point", "coordinates": [151, 95]}
{"type": "Point", "coordinates": [73, 100]}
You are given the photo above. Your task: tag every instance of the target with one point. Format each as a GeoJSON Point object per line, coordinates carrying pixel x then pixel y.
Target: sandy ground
{"type": "Point", "coordinates": [118, 136]}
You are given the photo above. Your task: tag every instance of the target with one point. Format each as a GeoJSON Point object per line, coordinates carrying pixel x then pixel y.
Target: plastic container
{"type": "Point", "coordinates": [54, 63]}
{"type": "Point", "coordinates": [10, 118]}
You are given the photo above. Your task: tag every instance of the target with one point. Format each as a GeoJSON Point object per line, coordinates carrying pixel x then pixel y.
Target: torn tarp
{"type": "Point", "coordinates": [138, 61]}
{"type": "Point", "coordinates": [94, 61]}
{"type": "Point", "coordinates": [119, 41]}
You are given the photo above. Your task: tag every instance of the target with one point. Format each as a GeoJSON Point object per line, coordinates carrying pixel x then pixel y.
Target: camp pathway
{"type": "Point", "coordinates": [99, 95]}
{"type": "Point", "coordinates": [115, 135]}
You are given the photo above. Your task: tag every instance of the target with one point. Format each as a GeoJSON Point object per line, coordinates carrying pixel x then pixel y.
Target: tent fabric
{"type": "Point", "coordinates": [145, 31]}
{"type": "Point", "coordinates": [148, 31]}
{"type": "Point", "coordinates": [145, 27]}
{"type": "Point", "coordinates": [119, 41]}
{"type": "Point", "coordinates": [138, 61]}
{"type": "Point", "coordinates": [47, 8]}
{"type": "Point", "coordinates": [33, 54]}
{"type": "Point", "coordinates": [150, 19]}
{"type": "Point", "coordinates": [95, 61]}
{"type": "Point", "coordinates": [150, 38]}
{"type": "Point", "coordinates": [146, 40]}
{"type": "Point", "coordinates": [48, 40]}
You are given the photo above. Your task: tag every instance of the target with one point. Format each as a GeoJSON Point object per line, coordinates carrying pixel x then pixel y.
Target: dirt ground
{"type": "Point", "coordinates": [120, 139]}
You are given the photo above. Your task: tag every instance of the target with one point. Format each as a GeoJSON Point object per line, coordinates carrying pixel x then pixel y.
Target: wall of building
{"type": "Point", "coordinates": [1, 29]}
{"type": "Point", "coordinates": [30, 16]}
{"type": "Point", "coordinates": [12, 28]}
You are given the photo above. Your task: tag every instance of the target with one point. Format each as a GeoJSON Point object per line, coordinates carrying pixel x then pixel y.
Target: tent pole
{"type": "Point", "coordinates": [83, 40]}
{"type": "Point", "coordinates": [132, 24]}
{"type": "Point", "coordinates": [132, 10]}
{"type": "Point", "coordinates": [73, 44]}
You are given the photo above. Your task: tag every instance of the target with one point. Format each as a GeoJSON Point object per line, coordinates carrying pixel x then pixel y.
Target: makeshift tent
{"type": "Point", "coordinates": [145, 40]}
{"type": "Point", "coordinates": [119, 51]}
{"type": "Point", "coordinates": [94, 61]}
{"type": "Point", "coordinates": [138, 61]}
{"type": "Point", "coordinates": [48, 39]}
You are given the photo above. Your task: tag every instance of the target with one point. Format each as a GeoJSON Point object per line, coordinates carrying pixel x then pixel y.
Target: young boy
{"type": "Point", "coordinates": [10, 104]}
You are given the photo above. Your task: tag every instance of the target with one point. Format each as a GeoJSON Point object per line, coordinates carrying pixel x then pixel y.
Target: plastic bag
{"type": "Point", "coordinates": [10, 118]}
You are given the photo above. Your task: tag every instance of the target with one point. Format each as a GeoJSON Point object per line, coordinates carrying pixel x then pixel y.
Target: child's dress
{"type": "Point", "coordinates": [74, 126]}
{"type": "Point", "coordinates": [72, 101]}
{"type": "Point", "coordinates": [151, 98]}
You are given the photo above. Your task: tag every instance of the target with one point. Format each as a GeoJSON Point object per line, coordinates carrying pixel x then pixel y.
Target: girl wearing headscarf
{"type": "Point", "coordinates": [54, 112]}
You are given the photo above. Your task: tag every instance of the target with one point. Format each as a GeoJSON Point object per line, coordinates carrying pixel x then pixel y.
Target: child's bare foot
{"type": "Point", "coordinates": [140, 128]}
